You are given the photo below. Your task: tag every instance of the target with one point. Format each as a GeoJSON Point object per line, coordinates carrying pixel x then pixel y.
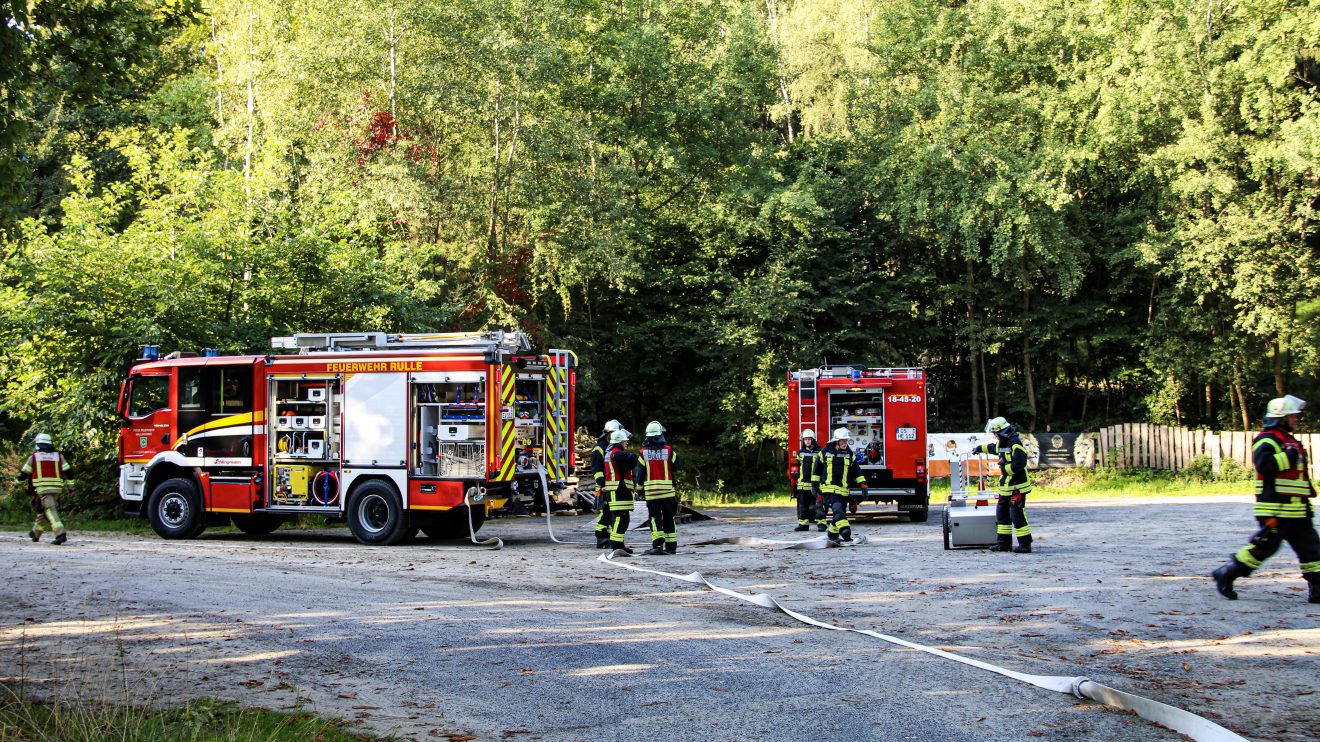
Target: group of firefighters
{"type": "Point", "coordinates": [620, 474]}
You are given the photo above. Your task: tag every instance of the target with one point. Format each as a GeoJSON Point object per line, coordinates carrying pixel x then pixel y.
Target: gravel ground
{"type": "Point", "coordinates": [541, 641]}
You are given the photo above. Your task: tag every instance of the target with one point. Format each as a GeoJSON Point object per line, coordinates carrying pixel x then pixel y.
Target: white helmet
{"type": "Point", "coordinates": [612, 426]}
{"type": "Point", "coordinates": [809, 433]}
{"type": "Point", "coordinates": [654, 428]}
{"type": "Point", "coordinates": [1285, 406]}
{"type": "Point", "coordinates": [45, 438]}
{"type": "Point", "coordinates": [997, 425]}
{"type": "Point", "coordinates": [619, 436]}
{"type": "Point", "coordinates": [841, 434]}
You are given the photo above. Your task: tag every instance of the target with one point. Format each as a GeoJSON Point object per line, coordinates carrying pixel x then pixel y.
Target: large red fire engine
{"type": "Point", "coordinates": [884, 410]}
{"type": "Point", "coordinates": [392, 433]}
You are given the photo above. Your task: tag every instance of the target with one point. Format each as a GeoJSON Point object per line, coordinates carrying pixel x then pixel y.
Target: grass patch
{"type": "Point", "coordinates": [1060, 484]}
{"type": "Point", "coordinates": [205, 720]}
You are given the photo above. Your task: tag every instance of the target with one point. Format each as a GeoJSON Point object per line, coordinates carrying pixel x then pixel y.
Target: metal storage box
{"type": "Point", "coordinates": [969, 515]}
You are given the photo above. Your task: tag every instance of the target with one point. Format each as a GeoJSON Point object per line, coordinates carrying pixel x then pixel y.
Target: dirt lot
{"type": "Point", "coordinates": [541, 641]}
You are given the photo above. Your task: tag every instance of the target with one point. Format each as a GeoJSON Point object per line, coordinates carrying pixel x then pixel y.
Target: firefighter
{"type": "Point", "coordinates": [598, 474]}
{"type": "Point", "coordinates": [44, 473]}
{"type": "Point", "coordinates": [802, 479]}
{"type": "Point", "coordinates": [658, 464]}
{"type": "Point", "coordinates": [1014, 486]}
{"type": "Point", "coordinates": [836, 470]}
{"type": "Point", "coordinates": [1284, 495]}
{"type": "Point", "coordinates": [620, 472]}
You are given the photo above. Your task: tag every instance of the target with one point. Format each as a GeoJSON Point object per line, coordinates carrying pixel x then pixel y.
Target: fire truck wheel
{"type": "Point", "coordinates": [375, 514]}
{"type": "Point", "coordinates": [256, 525]}
{"type": "Point", "coordinates": [175, 509]}
{"type": "Point", "coordinates": [919, 515]}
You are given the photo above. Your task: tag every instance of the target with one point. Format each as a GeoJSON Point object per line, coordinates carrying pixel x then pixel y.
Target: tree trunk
{"type": "Point", "coordinates": [985, 387]}
{"type": "Point", "coordinates": [219, 78]}
{"type": "Point", "coordinates": [1026, 359]}
{"type": "Point", "coordinates": [1242, 405]}
{"type": "Point", "coordinates": [1209, 404]}
{"type": "Point", "coordinates": [1278, 367]}
{"type": "Point", "coordinates": [976, 400]}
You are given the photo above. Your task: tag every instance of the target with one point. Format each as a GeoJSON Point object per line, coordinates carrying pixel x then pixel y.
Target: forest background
{"type": "Point", "coordinates": [1071, 213]}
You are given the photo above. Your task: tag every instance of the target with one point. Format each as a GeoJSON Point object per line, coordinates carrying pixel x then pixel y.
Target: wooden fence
{"type": "Point", "coordinates": [1142, 445]}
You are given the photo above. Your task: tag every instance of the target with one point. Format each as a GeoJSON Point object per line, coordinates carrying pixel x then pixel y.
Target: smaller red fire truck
{"type": "Point", "coordinates": [392, 433]}
{"type": "Point", "coordinates": [884, 410]}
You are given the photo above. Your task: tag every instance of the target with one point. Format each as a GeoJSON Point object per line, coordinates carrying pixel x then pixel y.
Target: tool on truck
{"type": "Point", "coordinates": [393, 433]}
{"type": "Point", "coordinates": [884, 410]}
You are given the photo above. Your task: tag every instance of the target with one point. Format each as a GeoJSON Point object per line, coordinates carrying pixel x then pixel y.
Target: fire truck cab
{"type": "Point", "coordinates": [884, 410]}
{"type": "Point", "coordinates": [391, 433]}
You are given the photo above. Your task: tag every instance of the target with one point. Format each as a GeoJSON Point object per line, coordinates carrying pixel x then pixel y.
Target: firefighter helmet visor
{"type": "Point", "coordinates": [998, 426]}
{"type": "Point", "coordinates": [43, 438]}
{"type": "Point", "coordinates": [620, 436]}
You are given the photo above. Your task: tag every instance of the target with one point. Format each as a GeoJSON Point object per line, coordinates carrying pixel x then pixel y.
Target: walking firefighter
{"type": "Point", "coordinates": [837, 472]}
{"type": "Point", "coordinates": [1284, 501]}
{"type": "Point", "coordinates": [44, 472]}
{"type": "Point", "coordinates": [805, 490]}
{"type": "Point", "coordinates": [1014, 486]}
{"type": "Point", "coordinates": [658, 464]}
{"type": "Point", "coordinates": [603, 517]}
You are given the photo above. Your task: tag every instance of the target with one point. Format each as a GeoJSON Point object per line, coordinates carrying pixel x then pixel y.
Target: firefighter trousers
{"type": "Point", "coordinates": [664, 533]}
{"type": "Point", "coordinates": [837, 506]}
{"type": "Point", "coordinates": [620, 507]}
{"type": "Point", "coordinates": [1011, 519]}
{"type": "Point", "coordinates": [603, 517]}
{"type": "Point", "coordinates": [806, 506]}
{"type": "Point", "coordinates": [1298, 532]}
{"type": "Point", "coordinates": [48, 516]}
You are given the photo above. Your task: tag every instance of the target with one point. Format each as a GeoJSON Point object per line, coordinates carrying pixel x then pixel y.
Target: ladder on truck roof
{"type": "Point", "coordinates": [806, 400]}
{"type": "Point", "coordinates": [558, 436]}
{"type": "Point", "coordinates": [306, 342]}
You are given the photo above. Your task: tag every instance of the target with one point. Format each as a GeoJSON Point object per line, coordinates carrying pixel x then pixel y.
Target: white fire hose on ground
{"type": "Point", "coordinates": [1196, 727]}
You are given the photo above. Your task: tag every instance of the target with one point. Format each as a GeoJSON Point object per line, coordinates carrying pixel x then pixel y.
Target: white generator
{"type": "Point", "coordinates": [969, 514]}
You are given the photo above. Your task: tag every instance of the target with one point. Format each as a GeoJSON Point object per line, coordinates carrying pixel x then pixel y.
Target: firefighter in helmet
{"type": "Point", "coordinates": [658, 464]}
{"type": "Point", "coordinates": [598, 474]}
{"type": "Point", "coordinates": [836, 473]}
{"type": "Point", "coordinates": [801, 477]}
{"type": "Point", "coordinates": [1014, 486]}
{"type": "Point", "coordinates": [44, 472]}
{"type": "Point", "coordinates": [1284, 509]}
{"type": "Point", "coordinates": [620, 475]}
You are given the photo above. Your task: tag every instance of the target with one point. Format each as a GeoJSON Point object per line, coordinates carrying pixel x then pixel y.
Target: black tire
{"type": "Point", "coordinates": [947, 545]}
{"type": "Point", "coordinates": [257, 524]}
{"type": "Point", "coordinates": [919, 515]}
{"type": "Point", "coordinates": [175, 509]}
{"type": "Point", "coordinates": [452, 524]}
{"type": "Point", "coordinates": [375, 514]}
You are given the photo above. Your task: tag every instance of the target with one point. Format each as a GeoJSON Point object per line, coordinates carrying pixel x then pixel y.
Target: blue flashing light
{"type": "Point", "coordinates": [210, 353]}
{"type": "Point", "coordinates": [856, 374]}
{"type": "Point", "coordinates": [150, 352]}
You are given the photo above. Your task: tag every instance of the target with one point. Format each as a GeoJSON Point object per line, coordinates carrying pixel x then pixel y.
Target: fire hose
{"type": "Point", "coordinates": [1196, 727]}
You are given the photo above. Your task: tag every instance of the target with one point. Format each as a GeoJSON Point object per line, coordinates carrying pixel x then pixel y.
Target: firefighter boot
{"type": "Point", "coordinates": [60, 539]}
{"type": "Point", "coordinates": [618, 546]}
{"type": "Point", "coordinates": [1224, 577]}
{"type": "Point", "coordinates": [1023, 547]}
{"type": "Point", "coordinates": [657, 549]}
{"type": "Point", "coordinates": [1005, 543]}
{"type": "Point", "coordinates": [846, 533]}
{"type": "Point", "coordinates": [802, 527]}
{"type": "Point", "coordinates": [1313, 580]}
{"type": "Point", "coordinates": [35, 536]}
{"type": "Point", "coordinates": [822, 527]}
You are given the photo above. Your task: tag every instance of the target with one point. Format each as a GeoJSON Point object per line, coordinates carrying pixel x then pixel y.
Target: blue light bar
{"type": "Point", "coordinates": [210, 353]}
{"type": "Point", "coordinates": [150, 352]}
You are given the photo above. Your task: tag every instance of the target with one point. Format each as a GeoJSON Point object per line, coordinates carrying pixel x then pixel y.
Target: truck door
{"type": "Point", "coordinates": [147, 417]}
{"type": "Point", "coordinates": [217, 413]}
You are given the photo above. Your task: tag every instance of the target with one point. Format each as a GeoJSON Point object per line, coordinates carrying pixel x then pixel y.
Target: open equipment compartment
{"type": "Point", "coordinates": [449, 425]}
{"type": "Point", "coordinates": [305, 442]}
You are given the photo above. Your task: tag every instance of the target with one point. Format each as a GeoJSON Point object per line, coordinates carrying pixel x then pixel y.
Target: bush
{"type": "Point", "coordinates": [1199, 469]}
{"type": "Point", "coordinates": [1232, 471]}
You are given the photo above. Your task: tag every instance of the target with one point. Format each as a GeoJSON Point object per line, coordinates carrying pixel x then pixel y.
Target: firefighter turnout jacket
{"type": "Point", "coordinates": [46, 471]}
{"type": "Point", "coordinates": [1013, 460]}
{"type": "Point", "coordinates": [659, 462]}
{"type": "Point", "coordinates": [598, 461]}
{"type": "Point", "coordinates": [620, 472]}
{"type": "Point", "coordinates": [1283, 486]}
{"type": "Point", "coordinates": [808, 461]}
{"type": "Point", "coordinates": [837, 471]}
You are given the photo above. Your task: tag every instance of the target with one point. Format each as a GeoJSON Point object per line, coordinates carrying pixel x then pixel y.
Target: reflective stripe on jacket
{"type": "Point", "coordinates": [1283, 487]}
{"type": "Point", "coordinates": [1013, 461]}
{"type": "Point", "coordinates": [808, 461]}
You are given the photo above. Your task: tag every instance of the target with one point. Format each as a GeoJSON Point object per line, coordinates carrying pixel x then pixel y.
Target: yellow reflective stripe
{"type": "Point", "coordinates": [1004, 529]}
{"type": "Point", "coordinates": [1244, 556]}
{"type": "Point", "coordinates": [246, 418]}
{"type": "Point", "coordinates": [1308, 567]}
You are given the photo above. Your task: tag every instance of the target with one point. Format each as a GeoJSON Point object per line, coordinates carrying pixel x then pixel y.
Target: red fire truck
{"type": "Point", "coordinates": [392, 433]}
{"type": "Point", "coordinates": [884, 410]}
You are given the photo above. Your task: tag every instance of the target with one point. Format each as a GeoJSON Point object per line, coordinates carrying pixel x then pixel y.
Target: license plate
{"type": "Point", "coordinates": [906, 434]}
